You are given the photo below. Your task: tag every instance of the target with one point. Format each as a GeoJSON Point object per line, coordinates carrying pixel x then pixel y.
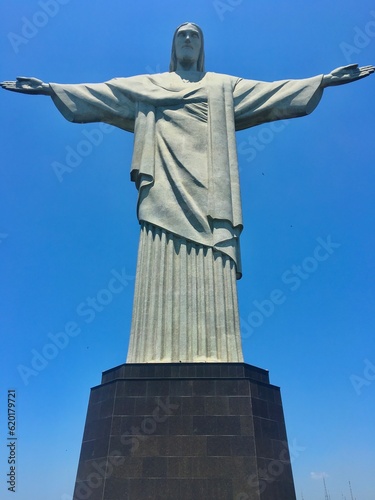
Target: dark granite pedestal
{"type": "Point", "coordinates": [185, 431]}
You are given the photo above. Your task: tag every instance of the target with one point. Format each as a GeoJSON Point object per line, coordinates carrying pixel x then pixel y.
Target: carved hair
{"type": "Point", "coordinates": [200, 62]}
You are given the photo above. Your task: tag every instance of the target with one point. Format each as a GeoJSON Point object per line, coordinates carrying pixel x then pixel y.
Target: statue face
{"type": "Point", "coordinates": [188, 43]}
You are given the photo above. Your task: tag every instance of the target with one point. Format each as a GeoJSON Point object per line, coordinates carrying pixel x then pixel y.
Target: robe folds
{"type": "Point", "coordinates": [185, 168]}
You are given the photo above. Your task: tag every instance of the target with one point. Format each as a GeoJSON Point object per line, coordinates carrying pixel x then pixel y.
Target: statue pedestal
{"type": "Point", "coordinates": [185, 431]}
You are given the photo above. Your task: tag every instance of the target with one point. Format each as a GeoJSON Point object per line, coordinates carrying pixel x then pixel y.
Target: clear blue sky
{"type": "Point", "coordinates": [305, 182]}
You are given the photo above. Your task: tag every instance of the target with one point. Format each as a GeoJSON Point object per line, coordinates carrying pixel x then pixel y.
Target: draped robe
{"type": "Point", "coordinates": [185, 168]}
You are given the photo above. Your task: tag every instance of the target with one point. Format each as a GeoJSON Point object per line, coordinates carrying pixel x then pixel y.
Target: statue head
{"type": "Point", "coordinates": [199, 35]}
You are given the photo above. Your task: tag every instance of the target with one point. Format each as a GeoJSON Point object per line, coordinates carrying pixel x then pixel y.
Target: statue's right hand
{"type": "Point", "coordinates": [27, 85]}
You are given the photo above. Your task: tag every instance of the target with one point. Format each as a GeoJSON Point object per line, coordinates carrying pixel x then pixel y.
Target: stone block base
{"type": "Point", "coordinates": [185, 431]}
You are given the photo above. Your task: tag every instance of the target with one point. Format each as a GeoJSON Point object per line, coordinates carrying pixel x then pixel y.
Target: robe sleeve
{"type": "Point", "coordinates": [111, 102]}
{"type": "Point", "coordinates": [260, 102]}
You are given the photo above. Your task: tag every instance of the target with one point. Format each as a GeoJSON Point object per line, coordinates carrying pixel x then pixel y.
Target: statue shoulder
{"type": "Point", "coordinates": [223, 79]}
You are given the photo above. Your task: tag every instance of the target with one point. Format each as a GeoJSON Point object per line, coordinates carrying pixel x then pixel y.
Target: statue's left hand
{"type": "Point", "coordinates": [27, 85]}
{"type": "Point", "coordinates": [346, 74]}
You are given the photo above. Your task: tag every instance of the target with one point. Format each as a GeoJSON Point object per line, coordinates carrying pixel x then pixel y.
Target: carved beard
{"type": "Point", "coordinates": [187, 62]}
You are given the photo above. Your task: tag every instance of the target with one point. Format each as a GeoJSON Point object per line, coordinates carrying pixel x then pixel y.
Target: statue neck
{"type": "Point", "coordinates": [186, 65]}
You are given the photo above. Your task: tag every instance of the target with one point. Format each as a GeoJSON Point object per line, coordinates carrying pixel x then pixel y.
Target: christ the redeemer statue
{"type": "Point", "coordinates": [185, 169]}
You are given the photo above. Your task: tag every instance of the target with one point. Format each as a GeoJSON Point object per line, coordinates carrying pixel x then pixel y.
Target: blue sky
{"type": "Point", "coordinates": [307, 188]}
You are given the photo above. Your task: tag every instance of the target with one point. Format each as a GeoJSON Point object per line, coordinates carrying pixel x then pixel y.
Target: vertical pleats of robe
{"type": "Point", "coordinates": [185, 302]}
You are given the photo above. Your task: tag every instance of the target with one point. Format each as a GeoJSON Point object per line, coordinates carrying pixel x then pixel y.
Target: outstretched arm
{"type": "Point", "coordinates": [27, 85]}
{"type": "Point", "coordinates": [346, 74]}
{"type": "Point", "coordinates": [112, 102]}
